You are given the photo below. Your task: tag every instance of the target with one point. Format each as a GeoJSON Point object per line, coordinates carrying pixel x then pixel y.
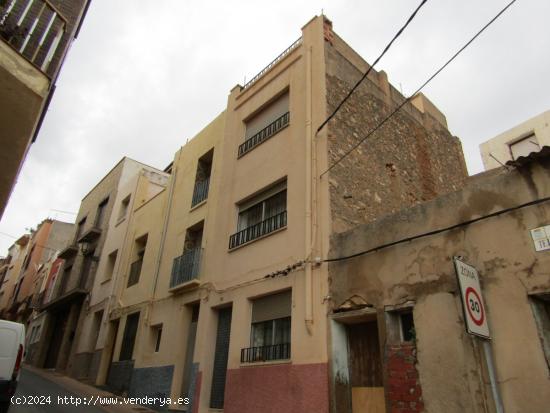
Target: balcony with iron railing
{"type": "Point", "coordinates": [265, 353]}
{"type": "Point", "coordinates": [185, 269]}
{"type": "Point", "coordinates": [200, 193]}
{"type": "Point", "coordinates": [258, 230]}
{"type": "Point", "coordinates": [263, 135]}
{"type": "Point", "coordinates": [34, 28]}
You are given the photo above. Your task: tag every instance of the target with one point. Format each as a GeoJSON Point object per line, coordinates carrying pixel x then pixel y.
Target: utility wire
{"type": "Point", "coordinates": [437, 231]}
{"type": "Point", "coordinates": [38, 245]}
{"type": "Point", "coordinates": [419, 89]}
{"type": "Point", "coordinates": [370, 68]}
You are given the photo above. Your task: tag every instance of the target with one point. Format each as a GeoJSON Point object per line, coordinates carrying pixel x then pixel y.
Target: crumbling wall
{"type": "Point", "coordinates": [411, 159]}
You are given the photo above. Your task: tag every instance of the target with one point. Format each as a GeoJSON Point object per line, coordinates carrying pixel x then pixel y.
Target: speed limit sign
{"type": "Point", "coordinates": [472, 301]}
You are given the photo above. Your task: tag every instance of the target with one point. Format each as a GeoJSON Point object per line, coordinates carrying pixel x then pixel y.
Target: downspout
{"type": "Point", "coordinates": [308, 224]}
{"type": "Point", "coordinates": [165, 225]}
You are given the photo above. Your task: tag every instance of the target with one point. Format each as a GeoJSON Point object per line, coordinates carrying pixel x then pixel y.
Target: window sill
{"type": "Point", "coordinates": [198, 205]}
{"type": "Point", "coordinates": [266, 363]}
{"type": "Point", "coordinates": [257, 239]}
{"type": "Point", "coordinates": [106, 280]}
{"type": "Point", "coordinates": [188, 285]}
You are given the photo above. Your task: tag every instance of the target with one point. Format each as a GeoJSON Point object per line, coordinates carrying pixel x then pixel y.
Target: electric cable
{"type": "Point", "coordinates": [411, 17]}
{"type": "Point", "coordinates": [419, 89]}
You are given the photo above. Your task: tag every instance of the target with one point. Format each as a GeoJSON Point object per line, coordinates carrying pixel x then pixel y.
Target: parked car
{"type": "Point", "coordinates": [12, 349]}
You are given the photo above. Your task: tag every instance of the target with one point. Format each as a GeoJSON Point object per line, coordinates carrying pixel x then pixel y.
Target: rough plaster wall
{"type": "Point", "coordinates": [448, 372]}
{"type": "Point", "coordinates": [402, 164]}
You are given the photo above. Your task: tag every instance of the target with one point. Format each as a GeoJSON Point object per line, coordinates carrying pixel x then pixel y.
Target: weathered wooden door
{"type": "Point", "coordinates": [365, 365]}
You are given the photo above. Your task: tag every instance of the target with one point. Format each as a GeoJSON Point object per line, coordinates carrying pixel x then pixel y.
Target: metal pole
{"type": "Point", "coordinates": [492, 376]}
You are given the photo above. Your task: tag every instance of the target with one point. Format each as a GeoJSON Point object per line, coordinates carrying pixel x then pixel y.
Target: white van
{"type": "Point", "coordinates": [12, 348]}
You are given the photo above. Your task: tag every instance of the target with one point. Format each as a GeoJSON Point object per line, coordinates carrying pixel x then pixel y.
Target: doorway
{"type": "Point", "coordinates": [365, 368]}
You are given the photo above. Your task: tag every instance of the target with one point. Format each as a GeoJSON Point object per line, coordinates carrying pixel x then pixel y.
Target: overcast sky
{"type": "Point", "coordinates": [144, 76]}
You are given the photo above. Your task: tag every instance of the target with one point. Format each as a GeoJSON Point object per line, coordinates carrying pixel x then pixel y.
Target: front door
{"type": "Point", "coordinates": [365, 365]}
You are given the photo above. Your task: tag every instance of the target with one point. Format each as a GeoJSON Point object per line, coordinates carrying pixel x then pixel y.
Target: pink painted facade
{"type": "Point", "coordinates": [301, 388]}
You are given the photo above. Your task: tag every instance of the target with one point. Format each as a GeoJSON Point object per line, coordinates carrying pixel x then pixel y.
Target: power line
{"type": "Point", "coordinates": [370, 68]}
{"type": "Point", "coordinates": [420, 88]}
{"type": "Point", "coordinates": [38, 245]}
{"type": "Point", "coordinates": [437, 231]}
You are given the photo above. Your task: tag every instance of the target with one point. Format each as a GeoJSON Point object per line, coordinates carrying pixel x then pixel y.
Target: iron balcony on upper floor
{"type": "Point", "coordinates": [186, 268]}
{"type": "Point", "coordinates": [200, 193]}
{"type": "Point", "coordinates": [258, 230]}
{"type": "Point", "coordinates": [263, 135]}
{"type": "Point", "coordinates": [35, 29]}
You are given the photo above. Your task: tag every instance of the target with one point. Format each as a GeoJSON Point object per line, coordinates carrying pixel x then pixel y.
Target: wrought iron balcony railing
{"type": "Point", "coordinates": [34, 28]}
{"type": "Point", "coordinates": [273, 63]}
{"type": "Point", "coordinates": [186, 267]}
{"type": "Point", "coordinates": [258, 230]}
{"type": "Point", "coordinates": [264, 134]}
{"type": "Point", "coordinates": [200, 192]}
{"type": "Point", "coordinates": [265, 353]}
{"type": "Point", "coordinates": [135, 271]}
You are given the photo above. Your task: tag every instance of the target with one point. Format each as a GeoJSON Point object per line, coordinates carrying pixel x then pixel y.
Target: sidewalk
{"type": "Point", "coordinates": [85, 390]}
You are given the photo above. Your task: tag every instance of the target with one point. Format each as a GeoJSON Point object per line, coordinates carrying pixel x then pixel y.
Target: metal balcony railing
{"type": "Point", "coordinates": [135, 271]}
{"type": "Point", "coordinates": [186, 267]}
{"type": "Point", "coordinates": [258, 230]}
{"type": "Point", "coordinates": [34, 28]}
{"type": "Point", "coordinates": [264, 134]}
{"type": "Point", "coordinates": [200, 192]}
{"type": "Point", "coordinates": [273, 63]}
{"type": "Point", "coordinates": [265, 353]}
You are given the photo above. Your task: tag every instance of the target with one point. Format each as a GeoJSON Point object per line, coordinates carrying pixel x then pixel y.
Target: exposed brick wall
{"type": "Point", "coordinates": [277, 388]}
{"type": "Point", "coordinates": [411, 159]}
{"type": "Point", "coordinates": [403, 386]}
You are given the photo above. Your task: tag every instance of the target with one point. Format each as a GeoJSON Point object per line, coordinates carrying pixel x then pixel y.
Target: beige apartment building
{"type": "Point", "coordinates": [67, 308]}
{"type": "Point", "coordinates": [521, 140]}
{"type": "Point", "coordinates": [11, 269]}
{"type": "Point", "coordinates": [35, 36]}
{"type": "Point", "coordinates": [220, 289]}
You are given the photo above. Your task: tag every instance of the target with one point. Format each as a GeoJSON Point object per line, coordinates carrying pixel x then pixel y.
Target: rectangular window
{"type": "Point", "coordinates": [100, 215]}
{"type": "Point", "coordinates": [80, 228]}
{"type": "Point", "coordinates": [129, 338]}
{"type": "Point", "coordinates": [274, 117]}
{"type": "Point", "coordinates": [135, 267]}
{"type": "Point", "coordinates": [261, 215]}
{"type": "Point", "coordinates": [400, 325]}
{"type": "Point", "coordinates": [270, 329]}
{"type": "Point", "coordinates": [158, 337]}
{"type": "Point", "coordinates": [524, 146]}
{"type": "Point", "coordinates": [110, 267]}
{"type": "Point", "coordinates": [124, 206]}
{"type": "Point", "coordinates": [202, 178]}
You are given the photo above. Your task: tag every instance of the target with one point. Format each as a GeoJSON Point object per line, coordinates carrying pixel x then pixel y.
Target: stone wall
{"type": "Point", "coordinates": [411, 159]}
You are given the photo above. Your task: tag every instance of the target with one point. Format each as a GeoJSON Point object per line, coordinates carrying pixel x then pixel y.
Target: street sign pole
{"type": "Point", "coordinates": [475, 317]}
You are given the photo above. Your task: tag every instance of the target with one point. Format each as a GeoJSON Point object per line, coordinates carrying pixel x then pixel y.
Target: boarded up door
{"type": "Point", "coordinates": [365, 364]}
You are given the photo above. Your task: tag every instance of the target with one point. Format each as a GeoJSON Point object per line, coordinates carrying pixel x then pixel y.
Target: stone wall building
{"type": "Point", "coordinates": [397, 322]}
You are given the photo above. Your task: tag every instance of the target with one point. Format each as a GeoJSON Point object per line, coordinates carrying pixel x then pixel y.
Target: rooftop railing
{"type": "Point", "coordinates": [34, 28]}
{"type": "Point", "coordinates": [273, 63]}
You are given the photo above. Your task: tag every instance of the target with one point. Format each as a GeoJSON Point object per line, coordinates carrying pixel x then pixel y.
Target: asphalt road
{"type": "Point", "coordinates": [45, 396]}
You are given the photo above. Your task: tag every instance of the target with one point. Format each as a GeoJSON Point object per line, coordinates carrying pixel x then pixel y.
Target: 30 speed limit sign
{"type": "Point", "coordinates": [472, 301]}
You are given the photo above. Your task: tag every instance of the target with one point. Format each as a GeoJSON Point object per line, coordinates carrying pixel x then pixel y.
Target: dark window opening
{"type": "Point", "coordinates": [202, 178]}
{"type": "Point", "coordinates": [129, 338]}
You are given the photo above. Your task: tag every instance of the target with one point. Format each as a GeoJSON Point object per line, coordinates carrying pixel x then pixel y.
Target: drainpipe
{"type": "Point", "coordinates": [165, 225]}
{"type": "Point", "coordinates": [308, 224]}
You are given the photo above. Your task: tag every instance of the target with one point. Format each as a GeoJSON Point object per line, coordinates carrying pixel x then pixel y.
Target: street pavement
{"type": "Point", "coordinates": [49, 391]}
{"type": "Point", "coordinates": [45, 396]}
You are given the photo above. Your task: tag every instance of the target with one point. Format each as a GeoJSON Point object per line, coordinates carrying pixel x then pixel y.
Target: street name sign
{"type": "Point", "coordinates": [475, 312]}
